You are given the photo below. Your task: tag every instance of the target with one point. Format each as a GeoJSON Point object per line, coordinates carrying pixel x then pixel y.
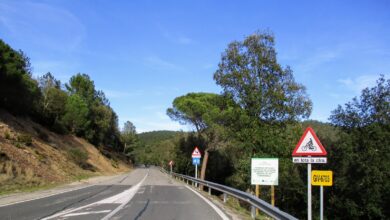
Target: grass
{"type": "Point", "coordinates": [83, 176]}
{"type": "Point", "coordinates": [16, 187]}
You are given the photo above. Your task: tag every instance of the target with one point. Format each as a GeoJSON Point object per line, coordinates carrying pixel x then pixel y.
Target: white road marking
{"type": "Point", "coordinates": [86, 213]}
{"type": "Point", "coordinates": [45, 196]}
{"type": "Point", "coordinates": [165, 202]}
{"type": "Point", "coordinates": [127, 199]}
{"type": "Point", "coordinates": [219, 211]}
{"type": "Point", "coordinates": [122, 198]}
{"type": "Point", "coordinates": [141, 191]}
{"type": "Point", "coordinates": [49, 195]}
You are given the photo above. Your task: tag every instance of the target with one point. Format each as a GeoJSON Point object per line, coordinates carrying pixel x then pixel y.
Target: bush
{"type": "Point", "coordinates": [7, 135]}
{"type": "Point", "coordinates": [25, 139]}
{"type": "Point", "coordinates": [41, 134]}
{"type": "Point", "coordinates": [79, 156]}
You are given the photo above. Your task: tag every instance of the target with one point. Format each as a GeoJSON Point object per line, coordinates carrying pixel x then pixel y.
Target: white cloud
{"type": "Point", "coordinates": [42, 25]}
{"type": "Point", "coordinates": [321, 56]}
{"type": "Point", "coordinates": [159, 62]}
{"type": "Point", "coordinates": [174, 37]}
{"type": "Point", "coordinates": [359, 83]}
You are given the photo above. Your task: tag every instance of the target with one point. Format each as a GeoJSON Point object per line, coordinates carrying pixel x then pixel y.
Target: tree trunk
{"type": "Point", "coordinates": [204, 166]}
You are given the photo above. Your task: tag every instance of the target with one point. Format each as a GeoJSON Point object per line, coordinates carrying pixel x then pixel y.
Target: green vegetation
{"type": "Point", "coordinates": [79, 109]}
{"type": "Point", "coordinates": [79, 156]}
{"type": "Point", "coordinates": [25, 139]}
{"type": "Point", "coordinates": [260, 114]}
{"type": "Point", "coordinates": [152, 137]}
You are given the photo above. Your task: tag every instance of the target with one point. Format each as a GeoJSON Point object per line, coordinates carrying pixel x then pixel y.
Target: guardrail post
{"type": "Point", "coordinates": [255, 202]}
{"type": "Point", "coordinates": [253, 212]}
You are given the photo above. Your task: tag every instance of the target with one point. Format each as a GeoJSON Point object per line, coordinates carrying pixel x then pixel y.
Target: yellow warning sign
{"type": "Point", "coordinates": [321, 178]}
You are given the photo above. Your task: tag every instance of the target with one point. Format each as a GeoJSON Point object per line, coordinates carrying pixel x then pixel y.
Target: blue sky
{"type": "Point", "coordinates": [143, 54]}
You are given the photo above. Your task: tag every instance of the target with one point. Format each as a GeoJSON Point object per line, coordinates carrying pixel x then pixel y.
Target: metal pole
{"type": "Point", "coordinates": [253, 212]}
{"type": "Point", "coordinates": [272, 195]}
{"type": "Point", "coordinates": [257, 196]}
{"type": "Point", "coordinates": [321, 203]}
{"type": "Point", "coordinates": [196, 174]}
{"type": "Point", "coordinates": [309, 191]}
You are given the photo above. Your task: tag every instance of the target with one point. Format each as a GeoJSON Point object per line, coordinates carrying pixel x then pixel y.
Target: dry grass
{"type": "Point", "coordinates": [32, 157]}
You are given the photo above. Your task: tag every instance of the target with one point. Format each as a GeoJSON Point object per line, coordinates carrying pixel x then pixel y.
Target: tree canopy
{"type": "Point", "coordinates": [250, 73]}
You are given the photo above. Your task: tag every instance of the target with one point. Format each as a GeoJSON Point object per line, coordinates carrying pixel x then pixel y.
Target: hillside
{"type": "Point", "coordinates": [152, 137]}
{"type": "Point", "coordinates": [31, 156]}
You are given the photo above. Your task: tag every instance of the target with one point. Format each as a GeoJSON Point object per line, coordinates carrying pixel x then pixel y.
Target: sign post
{"type": "Point", "coordinates": [309, 145]}
{"type": "Point", "coordinates": [265, 171]}
{"type": "Point", "coordinates": [171, 164]}
{"type": "Point", "coordinates": [309, 191]}
{"type": "Point", "coordinates": [322, 178]}
{"type": "Point", "coordinates": [196, 161]}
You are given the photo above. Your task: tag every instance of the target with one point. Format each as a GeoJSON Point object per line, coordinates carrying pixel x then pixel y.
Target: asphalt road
{"type": "Point", "coordinates": [142, 194]}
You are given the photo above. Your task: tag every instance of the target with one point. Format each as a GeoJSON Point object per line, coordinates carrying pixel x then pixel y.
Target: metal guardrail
{"type": "Point", "coordinates": [265, 207]}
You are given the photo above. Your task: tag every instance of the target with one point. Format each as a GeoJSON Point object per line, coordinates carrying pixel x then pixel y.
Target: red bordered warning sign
{"type": "Point", "coordinates": [196, 153]}
{"type": "Point", "coordinates": [309, 145]}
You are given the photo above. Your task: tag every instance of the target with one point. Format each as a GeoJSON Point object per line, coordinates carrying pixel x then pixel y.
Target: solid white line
{"type": "Point", "coordinates": [54, 194]}
{"type": "Point", "coordinates": [45, 196]}
{"type": "Point", "coordinates": [86, 213]}
{"type": "Point", "coordinates": [218, 210]}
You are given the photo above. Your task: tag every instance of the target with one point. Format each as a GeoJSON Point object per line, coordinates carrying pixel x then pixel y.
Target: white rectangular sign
{"type": "Point", "coordinates": [265, 171]}
{"type": "Point", "coordinates": [309, 160]}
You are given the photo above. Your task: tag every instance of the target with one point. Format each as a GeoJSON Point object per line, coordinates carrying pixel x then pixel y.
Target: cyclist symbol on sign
{"type": "Point", "coordinates": [309, 145]}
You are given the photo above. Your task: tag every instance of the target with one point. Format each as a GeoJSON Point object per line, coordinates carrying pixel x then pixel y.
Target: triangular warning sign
{"type": "Point", "coordinates": [196, 153]}
{"type": "Point", "coordinates": [309, 145]}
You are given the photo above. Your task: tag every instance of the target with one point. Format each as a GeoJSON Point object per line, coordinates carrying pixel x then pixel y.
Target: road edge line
{"type": "Point", "coordinates": [216, 208]}
{"type": "Point", "coordinates": [49, 195]}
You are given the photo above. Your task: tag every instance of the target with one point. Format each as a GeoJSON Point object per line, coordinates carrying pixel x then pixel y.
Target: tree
{"type": "Point", "coordinates": [362, 155]}
{"type": "Point", "coordinates": [76, 115]}
{"type": "Point", "coordinates": [271, 103]}
{"type": "Point", "coordinates": [129, 135]}
{"type": "Point", "coordinates": [250, 73]}
{"type": "Point", "coordinates": [103, 122]}
{"type": "Point", "coordinates": [207, 113]}
{"type": "Point", "coordinates": [53, 99]}
{"type": "Point", "coordinates": [19, 93]}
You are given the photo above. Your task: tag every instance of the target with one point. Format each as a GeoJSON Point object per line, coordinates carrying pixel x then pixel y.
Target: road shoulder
{"type": "Point", "coordinates": [15, 198]}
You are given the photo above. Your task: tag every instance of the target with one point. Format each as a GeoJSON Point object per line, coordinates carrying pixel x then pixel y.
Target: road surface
{"type": "Point", "coordinates": [141, 194]}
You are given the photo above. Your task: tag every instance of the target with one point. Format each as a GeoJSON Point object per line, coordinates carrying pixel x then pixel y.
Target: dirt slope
{"type": "Point", "coordinates": [32, 156]}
